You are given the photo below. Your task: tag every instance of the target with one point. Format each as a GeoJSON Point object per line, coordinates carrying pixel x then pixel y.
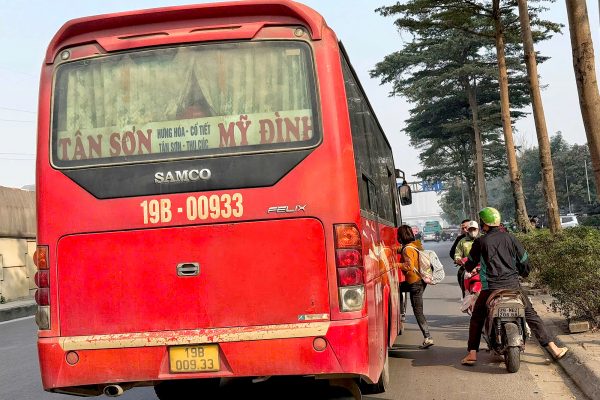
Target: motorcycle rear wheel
{"type": "Point", "coordinates": [512, 359]}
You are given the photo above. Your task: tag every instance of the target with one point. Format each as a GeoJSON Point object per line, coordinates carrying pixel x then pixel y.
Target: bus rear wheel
{"type": "Point", "coordinates": [384, 379]}
{"type": "Point", "coordinates": [382, 384]}
{"type": "Point", "coordinates": [186, 388]}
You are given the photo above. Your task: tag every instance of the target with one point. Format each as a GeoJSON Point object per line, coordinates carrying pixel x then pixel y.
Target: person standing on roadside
{"type": "Point", "coordinates": [413, 284]}
{"type": "Point", "coordinates": [463, 233]}
{"type": "Point", "coordinates": [462, 251]}
{"type": "Point", "coordinates": [464, 246]}
{"type": "Point", "coordinates": [460, 275]}
{"type": "Point", "coordinates": [503, 259]}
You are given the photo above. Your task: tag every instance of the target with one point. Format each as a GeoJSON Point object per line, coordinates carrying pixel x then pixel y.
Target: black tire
{"type": "Point", "coordinates": [384, 380]}
{"type": "Point", "coordinates": [187, 389]}
{"type": "Point", "coordinates": [512, 358]}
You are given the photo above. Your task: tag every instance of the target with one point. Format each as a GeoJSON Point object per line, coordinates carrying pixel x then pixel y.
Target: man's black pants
{"type": "Point", "coordinates": [460, 276]}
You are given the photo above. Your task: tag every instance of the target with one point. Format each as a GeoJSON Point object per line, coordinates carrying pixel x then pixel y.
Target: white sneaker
{"type": "Point", "coordinates": [428, 342]}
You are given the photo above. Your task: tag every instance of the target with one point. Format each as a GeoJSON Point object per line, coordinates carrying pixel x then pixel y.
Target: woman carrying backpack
{"type": "Point", "coordinates": [414, 285]}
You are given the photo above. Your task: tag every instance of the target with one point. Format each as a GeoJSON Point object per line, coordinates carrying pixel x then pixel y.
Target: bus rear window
{"type": "Point", "coordinates": [184, 102]}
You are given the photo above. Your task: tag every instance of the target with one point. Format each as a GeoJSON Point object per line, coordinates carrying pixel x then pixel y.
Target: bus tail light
{"type": "Point", "coordinates": [350, 276]}
{"type": "Point", "coordinates": [42, 297]}
{"type": "Point", "coordinates": [42, 294]}
{"type": "Point", "coordinates": [350, 270]}
{"type": "Point", "coordinates": [40, 257]}
{"type": "Point", "coordinates": [347, 236]}
{"type": "Point", "coordinates": [348, 258]}
{"type": "Point", "coordinates": [42, 279]}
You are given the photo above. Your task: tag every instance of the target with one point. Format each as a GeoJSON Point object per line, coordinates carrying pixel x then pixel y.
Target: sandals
{"type": "Point", "coordinates": [467, 361]}
{"type": "Point", "coordinates": [561, 353]}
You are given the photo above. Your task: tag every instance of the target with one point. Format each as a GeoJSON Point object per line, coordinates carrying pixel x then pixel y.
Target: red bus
{"type": "Point", "coordinates": [216, 199]}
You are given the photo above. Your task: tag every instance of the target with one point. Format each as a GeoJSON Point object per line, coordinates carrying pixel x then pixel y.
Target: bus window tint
{"type": "Point", "coordinates": [372, 154]}
{"type": "Point", "coordinates": [184, 102]}
{"type": "Point", "coordinates": [358, 112]}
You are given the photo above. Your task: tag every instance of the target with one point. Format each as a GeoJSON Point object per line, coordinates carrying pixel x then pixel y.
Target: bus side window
{"type": "Point", "coordinates": [368, 194]}
{"type": "Point", "coordinates": [372, 153]}
{"type": "Point", "coordinates": [359, 114]}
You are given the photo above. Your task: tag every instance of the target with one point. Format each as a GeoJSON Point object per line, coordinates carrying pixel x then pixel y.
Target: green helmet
{"type": "Point", "coordinates": [490, 216]}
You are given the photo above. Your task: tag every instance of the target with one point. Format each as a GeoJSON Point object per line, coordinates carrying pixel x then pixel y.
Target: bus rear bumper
{"type": "Point", "coordinates": [110, 359]}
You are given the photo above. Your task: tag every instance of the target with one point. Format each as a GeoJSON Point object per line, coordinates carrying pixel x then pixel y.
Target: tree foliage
{"type": "Point", "coordinates": [575, 289]}
{"type": "Point", "coordinates": [450, 60]}
{"type": "Point", "coordinates": [570, 162]}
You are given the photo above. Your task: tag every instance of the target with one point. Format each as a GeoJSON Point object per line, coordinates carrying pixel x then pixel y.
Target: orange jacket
{"type": "Point", "coordinates": [409, 261]}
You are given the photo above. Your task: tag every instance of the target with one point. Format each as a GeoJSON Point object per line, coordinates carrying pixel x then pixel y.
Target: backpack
{"type": "Point", "coordinates": [431, 269]}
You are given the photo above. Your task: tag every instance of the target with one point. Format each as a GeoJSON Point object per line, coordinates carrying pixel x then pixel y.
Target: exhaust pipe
{"type": "Point", "coordinates": [113, 390]}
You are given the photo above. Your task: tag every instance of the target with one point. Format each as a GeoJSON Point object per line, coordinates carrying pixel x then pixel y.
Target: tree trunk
{"type": "Point", "coordinates": [587, 84]}
{"type": "Point", "coordinates": [549, 190]}
{"type": "Point", "coordinates": [478, 147]}
{"type": "Point", "coordinates": [513, 168]}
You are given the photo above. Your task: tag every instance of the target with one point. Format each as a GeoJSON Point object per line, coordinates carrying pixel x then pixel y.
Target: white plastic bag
{"type": "Point", "coordinates": [468, 303]}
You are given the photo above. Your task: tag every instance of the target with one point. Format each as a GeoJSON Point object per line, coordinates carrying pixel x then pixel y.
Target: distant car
{"type": "Point", "coordinates": [432, 231]}
{"type": "Point", "coordinates": [431, 235]}
{"type": "Point", "coordinates": [568, 221]}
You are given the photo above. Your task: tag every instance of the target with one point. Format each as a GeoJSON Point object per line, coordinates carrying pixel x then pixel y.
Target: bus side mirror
{"type": "Point", "coordinates": [405, 194]}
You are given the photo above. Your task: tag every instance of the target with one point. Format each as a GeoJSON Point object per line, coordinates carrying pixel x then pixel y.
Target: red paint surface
{"type": "Point", "coordinates": [253, 273]}
{"type": "Point", "coordinates": [261, 357]}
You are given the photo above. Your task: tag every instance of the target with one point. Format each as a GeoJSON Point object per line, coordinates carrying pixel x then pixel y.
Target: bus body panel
{"type": "Point", "coordinates": [133, 29]}
{"type": "Point", "coordinates": [285, 356]}
{"type": "Point", "coordinates": [252, 273]}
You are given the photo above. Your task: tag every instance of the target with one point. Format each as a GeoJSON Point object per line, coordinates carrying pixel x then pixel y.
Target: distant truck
{"type": "Point", "coordinates": [432, 231]}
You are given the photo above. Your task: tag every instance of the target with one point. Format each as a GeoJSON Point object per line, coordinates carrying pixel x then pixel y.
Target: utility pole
{"type": "Point", "coordinates": [462, 192]}
{"type": "Point", "coordinates": [568, 196]}
{"type": "Point", "coordinates": [587, 180]}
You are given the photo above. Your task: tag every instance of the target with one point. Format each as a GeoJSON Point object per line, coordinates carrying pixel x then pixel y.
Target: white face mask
{"type": "Point", "coordinates": [473, 233]}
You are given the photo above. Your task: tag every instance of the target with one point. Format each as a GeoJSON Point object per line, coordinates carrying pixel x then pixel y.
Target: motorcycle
{"type": "Point", "coordinates": [505, 329]}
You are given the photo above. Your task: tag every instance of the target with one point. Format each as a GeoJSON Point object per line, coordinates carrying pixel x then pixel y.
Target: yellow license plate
{"type": "Point", "coordinates": [203, 358]}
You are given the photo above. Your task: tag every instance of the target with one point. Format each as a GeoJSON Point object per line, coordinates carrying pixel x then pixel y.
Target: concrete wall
{"type": "Point", "coordinates": [17, 243]}
{"type": "Point", "coordinates": [17, 213]}
{"type": "Point", "coordinates": [16, 268]}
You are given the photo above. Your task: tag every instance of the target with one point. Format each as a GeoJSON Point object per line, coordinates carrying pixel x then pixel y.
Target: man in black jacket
{"type": "Point", "coordinates": [460, 275]}
{"type": "Point", "coordinates": [502, 260]}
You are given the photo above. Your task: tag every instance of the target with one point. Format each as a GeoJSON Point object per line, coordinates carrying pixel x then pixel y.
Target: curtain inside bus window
{"type": "Point", "coordinates": [185, 102]}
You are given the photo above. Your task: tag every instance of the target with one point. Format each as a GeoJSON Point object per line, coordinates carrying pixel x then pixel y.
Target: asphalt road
{"type": "Point", "coordinates": [434, 373]}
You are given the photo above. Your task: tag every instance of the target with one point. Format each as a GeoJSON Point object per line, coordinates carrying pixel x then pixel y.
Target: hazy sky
{"type": "Point", "coordinates": [26, 28]}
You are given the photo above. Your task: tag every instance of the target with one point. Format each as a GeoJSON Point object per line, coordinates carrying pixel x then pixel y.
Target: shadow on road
{"type": "Point", "coordinates": [280, 387]}
{"type": "Point", "coordinates": [439, 356]}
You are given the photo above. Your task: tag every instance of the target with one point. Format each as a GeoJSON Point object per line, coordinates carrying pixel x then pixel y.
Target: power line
{"type": "Point", "coordinates": [17, 72]}
{"type": "Point", "coordinates": [18, 110]}
{"type": "Point", "coordinates": [13, 120]}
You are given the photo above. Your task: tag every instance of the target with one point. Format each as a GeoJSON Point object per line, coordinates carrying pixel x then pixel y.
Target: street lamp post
{"type": "Point", "coordinates": [587, 181]}
{"type": "Point", "coordinates": [568, 196]}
